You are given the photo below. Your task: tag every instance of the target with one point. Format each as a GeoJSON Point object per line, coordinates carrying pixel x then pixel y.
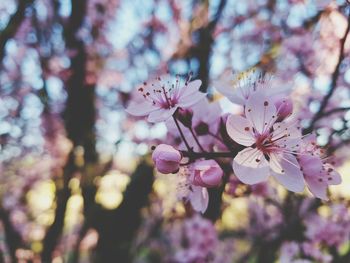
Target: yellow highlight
{"type": "Point", "coordinates": [37, 247]}
{"type": "Point", "coordinates": [74, 211]}
{"type": "Point", "coordinates": [40, 198]}
{"type": "Point", "coordinates": [324, 211]}
{"type": "Point", "coordinates": [235, 216]}
{"type": "Point", "coordinates": [111, 187]}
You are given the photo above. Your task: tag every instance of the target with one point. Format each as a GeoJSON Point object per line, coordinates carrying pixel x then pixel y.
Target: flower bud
{"type": "Point", "coordinates": [166, 158]}
{"type": "Point", "coordinates": [284, 108]}
{"type": "Point", "coordinates": [202, 129]}
{"type": "Point", "coordinates": [185, 117]}
{"type": "Point", "coordinates": [206, 173]}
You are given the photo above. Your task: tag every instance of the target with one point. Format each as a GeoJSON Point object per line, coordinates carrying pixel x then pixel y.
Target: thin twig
{"type": "Point", "coordinates": [207, 155]}
{"type": "Point", "coordinates": [333, 86]}
{"type": "Point", "coordinates": [182, 135]}
{"type": "Point", "coordinates": [196, 139]}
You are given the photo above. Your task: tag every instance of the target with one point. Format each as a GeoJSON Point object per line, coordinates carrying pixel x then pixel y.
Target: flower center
{"type": "Point", "coordinates": [162, 95]}
{"type": "Point", "coordinates": [263, 142]}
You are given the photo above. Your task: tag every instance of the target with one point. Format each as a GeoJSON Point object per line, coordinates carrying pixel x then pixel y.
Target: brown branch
{"type": "Point", "coordinates": [335, 110]}
{"type": "Point", "coordinates": [333, 86]}
{"type": "Point", "coordinates": [207, 155]}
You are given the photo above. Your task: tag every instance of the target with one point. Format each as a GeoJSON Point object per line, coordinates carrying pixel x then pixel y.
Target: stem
{"type": "Point", "coordinates": [182, 135]}
{"type": "Point", "coordinates": [196, 139]}
{"type": "Point", "coordinates": [215, 136]}
{"type": "Point", "coordinates": [207, 155]}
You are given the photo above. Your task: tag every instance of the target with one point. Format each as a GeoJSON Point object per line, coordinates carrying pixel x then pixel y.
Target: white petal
{"type": "Point", "coordinates": [289, 130]}
{"type": "Point", "coordinates": [292, 178]}
{"type": "Point", "coordinates": [189, 100]}
{"type": "Point", "coordinates": [232, 93]}
{"type": "Point", "coordinates": [161, 115]}
{"type": "Point", "coordinates": [275, 163]}
{"type": "Point", "coordinates": [192, 87]}
{"type": "Point", "coordinates": [240, 130]}
{"type": "Point", "coordinates": [250, 166]}
{"type": "Point", "coordinates": [287, 135]}
{"type": "Point", "coordinates": [199, 198]}
{"type": "Point", "coordinates": [140, 109]}
{"type": "Point", "coordinates": [260, 111]}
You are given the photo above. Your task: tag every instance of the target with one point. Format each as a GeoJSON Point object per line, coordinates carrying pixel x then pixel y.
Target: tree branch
{"type": "Point", "coordinates": [333, 86]}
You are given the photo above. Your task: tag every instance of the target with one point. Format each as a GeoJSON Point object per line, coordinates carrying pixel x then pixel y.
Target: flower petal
{"type": "Point", "coordinates": [260, 111]}
{"type": "Point", "coordinates": [311, 164]}
{"type": "Point", "coordinates": [250, 166]}
{"type": "Point", "coordinates": [161, 115]}
{"type": "Point", "coordinates": [333, 177]}
{"type": "Point", "coordinates": [292, 178]}
{"type": "Point", "coordinates": [140, 109]}
{"type": "Point", "coordinates": [317, 188]}
{"type": "Point", "coordinates": [189, 100]}
{"type": "Point", "coordinates": [190, 88]}
{"type": "Point", "coordinates": [233, 94]}
{"type": "Point", "coordinates": [240, 130]}
{"type": "Point", "coordinates": [199, 198]}
{"type": "Point", "coordinates": [275, 163]}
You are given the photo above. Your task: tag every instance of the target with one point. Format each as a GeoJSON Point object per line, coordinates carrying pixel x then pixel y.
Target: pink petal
{"type": "Point", "coordinates": [199, 198]}
{"type": "Point", "coordinates": [191, 88]}
{"type": "Point", "coordinates": [311, 164]}
{"type": "Point", "coordinates": [287, 135]}
{"type": "Point", "coordinates": [275, 163]}
{"type": "Point", "coordinates": [240, 130]}
{"type": "Point", "coordinates": [292, 178]}
{"type": "Point", "coordinates": [161, 115]}
{"type": "Point", "coordinates": [318, 189]}
{"type": "Point", "coordinates": [260, 111]}
{"type": "Point", "coordinates": [140, 109]}
{"type": "Point", "coordinates": [289, 130]}
{"type": "Point", "coordinates": [233, 94]}
{"type": "Point", "coordinates": [334, 177]}
{"type": "Point", "coordinates": [189, 100]}
{"type": "Point", "coordinates": [248, 169]}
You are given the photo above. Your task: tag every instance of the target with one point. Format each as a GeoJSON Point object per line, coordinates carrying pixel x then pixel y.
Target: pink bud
{"type": "Point", "coordinates": [185, 116]}
{"type": "Point", "coordinates": [166, 158]}
{"type": "Point", "coordinates": [284, 108]}
{"type": "Point", "coordinates": [206, 173]}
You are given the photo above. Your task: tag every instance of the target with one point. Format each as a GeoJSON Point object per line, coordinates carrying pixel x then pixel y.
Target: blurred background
{"type": "Point", "coordinates": [76, 180]}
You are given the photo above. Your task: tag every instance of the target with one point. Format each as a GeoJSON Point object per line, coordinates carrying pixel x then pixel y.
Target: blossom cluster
{"type": "Point", "coordinates": [263, 137]}
{"type": "Point", "coordinates": [322, 232]}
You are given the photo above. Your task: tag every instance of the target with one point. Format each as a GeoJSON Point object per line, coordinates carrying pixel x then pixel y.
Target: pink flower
{"type": "Point", "coordinates": [206, 173]}
{"type": "Point", "coordinates": [205, 121]}
{"type": "Point", "coordinates": [245, 84]}
{"type": "Point", "coordinates": [188, 192]}
{"type": "Point", "coordinates": [161, 99]}
{"type": "Point", "coordinates": [318, 175]}
{"type": "Point", "coordinates": [201, 240]}
{"type": "Point", "coordinates": [166, 158]}
{"type": "Point", "coordinates": [270, 145]}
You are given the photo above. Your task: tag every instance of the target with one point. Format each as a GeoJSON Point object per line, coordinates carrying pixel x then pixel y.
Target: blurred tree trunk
{"type": "Point", "coordinates": [79, 119]}
{"type": "Point", "coordinates": [202, 51]}
{"type": "Point", "coordinates": [117, 227]}
{"type": "Point", "coordinates": [13, 238]}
